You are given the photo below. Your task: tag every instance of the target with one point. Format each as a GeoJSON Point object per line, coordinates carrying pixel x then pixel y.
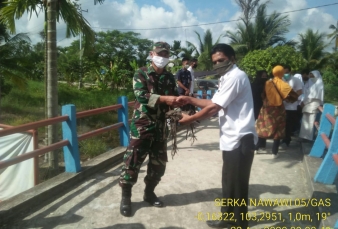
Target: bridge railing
{"type": "Point", "coordinates": [70, 141]}
{"type": "Point", "coordinates": [327, 138]}
{"type": "Point", "coordinates": [70, 137]}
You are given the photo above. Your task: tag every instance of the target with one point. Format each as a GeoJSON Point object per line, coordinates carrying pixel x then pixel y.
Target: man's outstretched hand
{"type": "Point", "coordinates": [185, 120]}
{"type": "Point", "coordinates": [183, 99]}
{"type": "Point", "coordinates": [172, 101]}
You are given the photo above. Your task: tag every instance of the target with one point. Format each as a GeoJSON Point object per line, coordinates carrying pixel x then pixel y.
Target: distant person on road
{"type": "Point", "coordinates": [291, 108]}
{"type": "Point", "coordinates": [183, 77]}
{"type": "Point", "coordinates": [193, 65]}
{"type": "Point", "coordinates": [299, 115]}
{"type": "Point", "coordinates": [191, 69]}
{"type": "Point", "coordinates": [257, 88]}
{"type": "Point", "coordinates": [155, 91]}
{"type": "Point", "coordinates": [234, 105]}
{"type": "Point", "coordinates": [313, 98]}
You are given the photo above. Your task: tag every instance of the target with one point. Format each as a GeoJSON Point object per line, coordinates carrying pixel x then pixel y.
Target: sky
{"type": "Point", "coordinates": [146, 16]}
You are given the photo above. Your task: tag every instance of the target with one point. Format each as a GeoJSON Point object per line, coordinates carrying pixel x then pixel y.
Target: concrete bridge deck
{"type": "Point", "coordinates": [189, 188]}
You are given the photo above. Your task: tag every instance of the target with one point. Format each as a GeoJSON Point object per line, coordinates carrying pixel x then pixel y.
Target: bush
{"type": "Point", "coordinates": [330, 93]}
{"type": "Point", "coordinates": [5, 87]}
{"type": "Point", "coordinates": [330, 78]}
{"type": "Point", "coordinates": [268, 58]}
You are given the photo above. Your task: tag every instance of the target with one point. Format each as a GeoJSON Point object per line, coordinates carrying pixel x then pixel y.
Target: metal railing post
{"type": "Point", "coordinates": [209, 94]}
{"type": "Point", "coordinates": [69, 131]}
{"type": "Point", "coordinates": [325, 126]}
{"type": "Point", "coordinates": [123, 117]}
{"type": "Point", "coordinates": [199, 96]}
{"type": "Point", "coordinates": [36, 159]}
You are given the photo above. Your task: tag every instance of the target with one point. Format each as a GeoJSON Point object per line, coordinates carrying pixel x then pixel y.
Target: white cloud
{"type": "Point", "coordinates": [315, 19]}
{"type": "Point", "coordinates": [129, 14]}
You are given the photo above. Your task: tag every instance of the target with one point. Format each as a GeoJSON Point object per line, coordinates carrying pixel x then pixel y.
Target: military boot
{"type": "Point", "coordinates": [150, 196]}
{"type": "Point", "coordinates": [125, 206]}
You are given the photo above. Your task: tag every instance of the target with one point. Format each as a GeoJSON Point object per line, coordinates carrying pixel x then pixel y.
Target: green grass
{"type": "Point", "coordinates": [24, 106]}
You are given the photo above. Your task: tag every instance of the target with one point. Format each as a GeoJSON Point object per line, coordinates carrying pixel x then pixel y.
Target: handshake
{"type": "Point", "coordinates": [175, 101]}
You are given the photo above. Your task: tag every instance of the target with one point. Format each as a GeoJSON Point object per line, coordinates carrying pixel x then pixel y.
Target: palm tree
{"type": "Point", "coordinates": [248, 7]}
{"type": "Point", "coordinates": [312, 47]}
{"type": "Point", "coordinates": [12, 61]}
{"type": "Point", "coordinates": [334, 35]}
{"type": "Point", "coordinates": [76, 24]}
{"type": "Point", "coordinates": [204, 49]}
{"type": "Point", "coordinates": [264, 32]}
{"type": "Point", "coordinates": [188, 52]}
{"type": "Point", "coordinates": [176, 49]}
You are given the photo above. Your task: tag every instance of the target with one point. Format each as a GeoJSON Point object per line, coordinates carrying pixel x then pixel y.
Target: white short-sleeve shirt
{"type": "Point", "coordinates": [236, 119]}
{"type": "Point", "coordinates": [296, 85]}
{"type": "Point", "coordinates": [192, 85]}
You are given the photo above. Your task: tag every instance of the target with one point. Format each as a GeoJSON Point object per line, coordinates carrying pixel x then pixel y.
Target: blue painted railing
{"type": "Point", "coordinates": [69, 130]}
{"type": "Point", "coordinates": [70, 140]}
{"type": "Point", "coordinates": [200, 96]}
{"type": "Point", "coordinates": [325, 140]}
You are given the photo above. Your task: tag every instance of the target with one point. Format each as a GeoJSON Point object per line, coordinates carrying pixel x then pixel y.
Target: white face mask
{"type": "Point", "coordinates": [313, 80]}
{"type": "Point", "coordinates": [160, 62]}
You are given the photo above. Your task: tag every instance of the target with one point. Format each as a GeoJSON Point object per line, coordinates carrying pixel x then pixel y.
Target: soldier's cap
{"type": "Point", "coordinates": [161, 46]}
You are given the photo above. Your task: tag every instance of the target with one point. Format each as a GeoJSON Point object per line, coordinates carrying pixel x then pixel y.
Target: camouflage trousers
{"type": "Point", "coordinates": [137, 152]}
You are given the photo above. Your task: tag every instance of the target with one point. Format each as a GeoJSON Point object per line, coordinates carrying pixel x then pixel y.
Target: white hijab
{"type": "Point", "coordinates": [316, 89]}
{"type": "Point", "coordinates": [299, 76]}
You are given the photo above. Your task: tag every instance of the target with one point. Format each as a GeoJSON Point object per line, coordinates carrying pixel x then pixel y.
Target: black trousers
{"type": "Point", "coordinates": [262, 144]}
{"type": "Point", "coordinates": [235, 180]}
{"type": "Point", "coordinates": [299, 118]}
{"type": "Point", "coordinates": [291, 119]}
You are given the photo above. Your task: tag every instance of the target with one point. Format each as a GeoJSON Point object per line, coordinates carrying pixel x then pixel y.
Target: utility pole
{"type": "Point", "coordinates": [81, 72]}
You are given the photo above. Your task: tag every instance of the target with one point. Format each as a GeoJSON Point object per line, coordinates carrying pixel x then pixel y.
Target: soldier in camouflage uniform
{"type": "Point", "coordinates": [155, 90]}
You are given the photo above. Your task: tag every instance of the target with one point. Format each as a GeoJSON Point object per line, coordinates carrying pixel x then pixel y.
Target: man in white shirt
{"type": "Point", "coordinates": [291, 108]}
{"type": "Point", "coordinates": [193, 65]}
{"type": "Point", "coordinates": [234, 104]}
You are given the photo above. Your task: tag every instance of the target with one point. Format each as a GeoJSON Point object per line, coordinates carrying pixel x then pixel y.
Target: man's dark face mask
{"type": "Point", "coordinates": [223, 67]}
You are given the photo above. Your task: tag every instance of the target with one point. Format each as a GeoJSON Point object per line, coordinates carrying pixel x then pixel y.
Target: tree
{"type": "Point", "coordinates": [115, 57]}
{"type": "Point", "coordinates": [112, 44]}
{"type": "Point", "coordinates": [268, 58]}
{"type": "Point", "coordinates": [248, 8]}
{"type": "Point", "coordinates": [204, 49]}
{"type": "Point", "coordinates": [188, 52]}
{"type": "Point", "coordinates": [334, 35]}
{"type": "Point", "coordinates": [13, 61]}
{"type": "Point", "coordinates": [312, 47]}
{"type": "Point", "coordinates": [264, 32]}
{"type": "Point", "coordinates": [176, 49]}
{"type": "Point", "coordinates": [56, 9]}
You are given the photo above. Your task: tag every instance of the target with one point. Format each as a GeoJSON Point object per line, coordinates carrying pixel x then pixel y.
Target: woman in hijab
{"type": "Point", "coordinates": [271, 121]}
{"type": "Point", "coordinates": [313, 98]}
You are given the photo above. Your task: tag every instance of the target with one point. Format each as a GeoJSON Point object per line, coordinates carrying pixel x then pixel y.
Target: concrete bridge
{"type": "Point", "coordinates": [282, 192]}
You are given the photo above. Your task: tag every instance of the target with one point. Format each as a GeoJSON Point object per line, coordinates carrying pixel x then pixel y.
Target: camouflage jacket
{"type": "Point", "coordinates": [149, 117]}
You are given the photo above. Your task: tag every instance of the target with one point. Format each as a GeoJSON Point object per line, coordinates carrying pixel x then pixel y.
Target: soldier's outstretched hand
{"type": "Point", "coordinates": [173, 101]}
{"type": "Point", "coordinates": [184, 99]}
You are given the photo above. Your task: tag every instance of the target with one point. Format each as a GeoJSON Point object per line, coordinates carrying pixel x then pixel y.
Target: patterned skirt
{"type": "Point", "coordinates": [270, 123]}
